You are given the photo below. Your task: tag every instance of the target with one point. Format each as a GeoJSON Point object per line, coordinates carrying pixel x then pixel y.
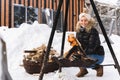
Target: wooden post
{"type": "Point", "coordinates": [12, 13]}
{"type": "Point", "coordinates": [47, 4]}
{"type": "Point", "coordinates": [81, 5]}
{"type": "Point", "coordinates": [7, 13]}
{"type": "Point", "coordinates": [70, 16]}
{"type": "Point", "coordinates": [42, 4]}
{"type": "Point", "coordinates": [75, 13]}
{"type": "Point", "coordinates": [39, 11]}
{"type": "Point", "coordinates": [2, 14]}
{"type": "Point", "coordinates": [55, 4]}
{"type": "Point", "coordinates": [17, 2]}
{"type": "Point", "coordinates": [22, 2]}
{"type": "Point", "coordinates": [31, 3]}
{"type": "Point", "coordinates": [35, 4]}
{"type": "Point", "coordinates": [50, 4]}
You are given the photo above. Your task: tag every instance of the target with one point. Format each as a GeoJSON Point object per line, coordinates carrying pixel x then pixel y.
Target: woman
{"type": "Point", "coordinates": [88, 36]}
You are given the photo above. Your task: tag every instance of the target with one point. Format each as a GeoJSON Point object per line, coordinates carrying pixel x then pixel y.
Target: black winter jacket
{"type": "Point", "coordinates": [89, 40]}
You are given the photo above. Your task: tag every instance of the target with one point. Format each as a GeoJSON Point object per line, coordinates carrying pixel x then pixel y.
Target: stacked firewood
{"type": "Point", "coordinates": [37, 54]}
{"type": "Point", "coordinates": [33, 60]}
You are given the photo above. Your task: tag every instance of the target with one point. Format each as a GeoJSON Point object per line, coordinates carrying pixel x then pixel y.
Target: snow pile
{"type": "Point", "coordinates": [26, 37]}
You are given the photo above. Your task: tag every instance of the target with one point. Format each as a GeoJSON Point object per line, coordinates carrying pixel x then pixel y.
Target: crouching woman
{"type": "Point", "coordinates": [88, 36]}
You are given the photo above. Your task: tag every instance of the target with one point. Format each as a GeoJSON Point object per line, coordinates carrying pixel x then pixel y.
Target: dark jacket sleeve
{"type": "Point", "coordinates": [93, 42]}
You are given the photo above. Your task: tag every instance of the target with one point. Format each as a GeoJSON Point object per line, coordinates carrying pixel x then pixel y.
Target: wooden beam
{"type": "Point", "coordinates": [31, 3]}
{"type": "Point", "coordinates": [75, 13]}
{"type": "Point", "coordinates": [81, 5]}
{"type": "Point", "coordinates": [64, 7]}
{"type": "Point", "coordinates": [42, 3]}
{"type": "Point", "coordinates": [39, 2]}
{"type": "Point", "coordinates": [70, 15]}
{"type": "Point", "coordinates": [12, 14]}
{"type": "Point", "coordinates": [55, 5]}
{"type": "Point", "coordinates": [2, 14]}
{"type": "Point", "coordinates": [39, 11]}
{"type": "Point", "coordinates": [50, 4]}
{"type": "Point", "coordinates": [47, 4]}
{"type": "Point", "coordinates": [17, 1]}
{"type": "Point", "coordinates": [35, 4]}
{"type": "Point", "coordinates": [7, 12]}
{"type": "Point", "coordinates": [26, 2]}
{"type": "Point", "coordinates": [22, 2]}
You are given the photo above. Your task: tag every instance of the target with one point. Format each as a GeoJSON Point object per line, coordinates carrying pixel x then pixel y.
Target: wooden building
{"type": "Point", "coordinates": [7, 10]}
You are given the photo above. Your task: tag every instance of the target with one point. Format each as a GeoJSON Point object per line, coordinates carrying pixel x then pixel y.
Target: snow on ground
{"type": "Point", "coordinates": [31, 36]}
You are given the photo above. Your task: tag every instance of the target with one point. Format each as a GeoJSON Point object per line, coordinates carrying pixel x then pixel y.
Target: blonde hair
{"type": "Point", "coordinates": [91, 22]}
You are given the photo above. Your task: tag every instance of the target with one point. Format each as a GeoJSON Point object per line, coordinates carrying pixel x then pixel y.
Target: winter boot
{"type": "Point", "coordinates": [82, 72]}
{"type": "Point", "coordinates": [99, 70]}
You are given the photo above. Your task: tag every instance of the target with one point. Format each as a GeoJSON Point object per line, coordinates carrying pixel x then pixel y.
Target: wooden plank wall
{"type": "Point", "coordinates": [7, 10]}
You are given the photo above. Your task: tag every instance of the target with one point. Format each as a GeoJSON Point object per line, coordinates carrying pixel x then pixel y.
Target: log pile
{"type": "Point", "coordinates": [33, 60]}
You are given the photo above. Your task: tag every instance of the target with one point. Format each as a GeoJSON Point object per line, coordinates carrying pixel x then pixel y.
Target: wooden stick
{"type": "Point", "coordinates": [30, 51]}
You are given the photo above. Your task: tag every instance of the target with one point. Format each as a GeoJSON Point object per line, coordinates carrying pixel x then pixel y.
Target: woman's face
{"type": "Point", "coordinates": [84, 21]}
